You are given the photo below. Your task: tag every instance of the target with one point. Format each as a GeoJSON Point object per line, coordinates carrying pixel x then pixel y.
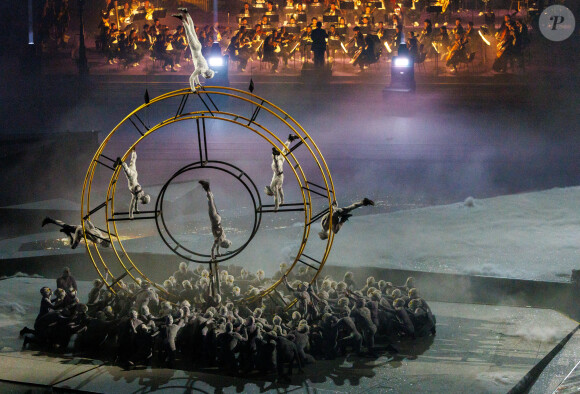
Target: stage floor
{"type": "Point", "coordinates": [478, 348]}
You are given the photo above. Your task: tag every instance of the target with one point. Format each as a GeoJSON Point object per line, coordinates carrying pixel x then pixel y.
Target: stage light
{"type": "Point", "coordinates": [402, 75]}
{"type": "Point", "coordinates": [216, 61]}
{"type": "Point", "coordinates": [401, 61]}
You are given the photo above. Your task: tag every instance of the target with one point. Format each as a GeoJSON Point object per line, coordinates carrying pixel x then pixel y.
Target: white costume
{"type": "Point", "coordinates": [275, 189]}
{"type": "Point", "coordinates": [137, 193]}
{"type": "Point", "coordinates": [339, 217]}
{"type": "Point", "coordinates": [217, 230]}
{"type": "Point", "coordinates": [75, 233]}
{"type": "Point", "coordinates": [201, 67]}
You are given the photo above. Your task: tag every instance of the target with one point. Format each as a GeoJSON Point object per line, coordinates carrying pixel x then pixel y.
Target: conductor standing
{"type": "Point", "coordinates": [319, 37]}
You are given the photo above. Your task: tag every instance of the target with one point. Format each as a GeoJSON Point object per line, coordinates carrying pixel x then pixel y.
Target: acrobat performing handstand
{"type": "Point", "coordinates": [201, 67]}
{"type": "Point", "coordinates": [219, 235]}
{"type": "Point", "coordinates": [340, 216]}
{"type": "Point", "coordinates": [75, 233]}
{"type": "Point", "coordinates": [275, 189]}
{"type": "Point", "coordinates": [137, 193]}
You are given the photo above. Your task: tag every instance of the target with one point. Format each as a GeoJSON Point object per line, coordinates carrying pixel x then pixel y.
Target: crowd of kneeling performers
{"type": "Point", "coordinates": [144, 325]}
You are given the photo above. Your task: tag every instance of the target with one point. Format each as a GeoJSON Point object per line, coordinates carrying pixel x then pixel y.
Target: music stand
{"type": "Point", "coordinates": [434, 9]}
{"type": "Point", "coordinates": [341, 30]}
{"type": "Point", "coordinates": [292, 29]}
{"type": "Point", "coordinates": [301, 18]}
{"type": "Point", "coordinates": [377, 4]}
{"type": "Point", "coordinates": [365, 29]}
{"type": "Point", "coordinates": [139, 16]}
{"type": "Point", "coordinates": [275, 18]}
{"type": "Point", "coordinates": [159, 13]}
{"type": "Point", "coordinates": [347, 5]}
{"type": "Point", "coordinates": [330, 18]}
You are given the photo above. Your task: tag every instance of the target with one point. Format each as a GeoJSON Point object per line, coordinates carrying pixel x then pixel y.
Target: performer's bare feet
{"type": "Point", "coordinates": [292, 137]}
{"type": "Point", "coordinates": [178, 16]}
{"type": "Point", "coordinates": [366, 202]}
{"type": "Point", "coordinates": [205, 185]}
{"type": "Point", "coordinates": [184, 10]}
{"type": "Point", "coordinates": [275, 151]}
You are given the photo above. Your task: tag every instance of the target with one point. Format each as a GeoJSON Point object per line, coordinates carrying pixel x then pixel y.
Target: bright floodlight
{"type": "Point", "coordinates": [216, 61]}
{"type": "Point", "coordinates": [402, 62]}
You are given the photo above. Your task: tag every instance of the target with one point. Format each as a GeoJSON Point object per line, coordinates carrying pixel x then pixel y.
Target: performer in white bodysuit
{"type": "Point", "coordinates": [339, 217]}
{"type": "Point", "coordinates": [137, 193]}
{"type": "Point", "coordinates": [219, 235]}
{"type": "Point", "coordinates": [201, 66]}
{"type": "Point", "coordinates": [75, 233]}
{"type": "Point", "coordinates": [275, 189]}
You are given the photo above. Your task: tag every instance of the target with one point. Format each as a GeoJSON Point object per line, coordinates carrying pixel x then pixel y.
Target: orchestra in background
{"type": "Point", "coordinates": [359, 32]}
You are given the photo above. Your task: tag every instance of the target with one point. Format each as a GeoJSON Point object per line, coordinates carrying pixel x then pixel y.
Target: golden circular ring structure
{"type": "Point", "coordinates": [211, 103]}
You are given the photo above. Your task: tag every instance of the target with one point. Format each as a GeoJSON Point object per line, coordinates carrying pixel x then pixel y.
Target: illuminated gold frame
{"type": "Point", "coordinates": [97, 259]}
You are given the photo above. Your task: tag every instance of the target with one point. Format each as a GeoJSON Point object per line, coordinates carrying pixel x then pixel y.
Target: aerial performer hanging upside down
{"type": "Point", "coordinates": [340, 216]}
{"type": "Point", "coordinates": [75, 233]}
{"type": "Point", "coordinates": [219, 235]}
{"type": "Point", "coordinates": [137, 193]}
{"type": "Point", "coordinates": [201, 67]}
{"type": "Point", "coordinates": [275, 189]}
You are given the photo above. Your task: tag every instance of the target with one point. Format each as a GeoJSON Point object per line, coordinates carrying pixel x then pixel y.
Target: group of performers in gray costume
{"type": "Point", "coordinates": [135, 324]}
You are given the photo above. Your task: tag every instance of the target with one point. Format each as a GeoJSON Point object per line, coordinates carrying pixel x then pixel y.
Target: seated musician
{"type": "Point", "coordinates": [381, 31]}
{"type": "Point", "coordinates": [365, 27]}
{"type": "Point", "coordinates": [163, 50]}
{"type": "Point", "coordinates": [292, 22]}
{"type": "Point", "coordinates": [443, 41]}
{"type": "Point", "coordinates": [341, 23]}
{"type": "Point", "coordinates": [265, 24]}
{"type": "Point", "coordinates": [148, 8]}
{"type": "Point", "coordinates": [246, 10]}
{"type": "Point", "coordinates": [313, 22]}
{"type": "Point", "coordinates": [270, 53]}
{"type": "Point", "coordinates": [288, 46]}
{"type": "Point", "coordinates": [306, 43]}
{"type": "Point", "coordinates": [135, 4]}
{"type": "Point", "coordinates": [413, 46]}
{"type": "Point", "coordinates": [125, 15]}
{"type": "Point", "coordinates": [257, 37]}
{"type": "Point", "coordinates": [367, 14]}
{"type": "Point", "coordinates": [112, 45]}
{"type": "Point", "coordinates": [244, 22]}
{"type": "Point", "coordinates": [426, 35]}
{"type": "Point", "coordinates": [239, 48]}
{"type": "Point", "coordinates": [332, 10]}
{"type": "Point", "coordinates": [179, 45]}
{"type": "Point", "coordinates": [334, 40]}
{"type": "Point", "coordinates": [458, 29]}
{"type": "Point", "coordinates": [300, 13]}
{"type": "Point", "coordinates": [505, 48]}
{"type": "Point", "coordinates": [457, 53]}
{"type": "Point", "coordinates": [471, 35]}
{"type": "Point", "coordinates": [368, 55]}
{"type": "Point", "coordinates": [289, 5]}
{"type": "Point", "coordinates": [358, 42]}
{"type": "Point", "coordinates": [270, 10]}
{"type": "Point", "coordinates": [397, 38]}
